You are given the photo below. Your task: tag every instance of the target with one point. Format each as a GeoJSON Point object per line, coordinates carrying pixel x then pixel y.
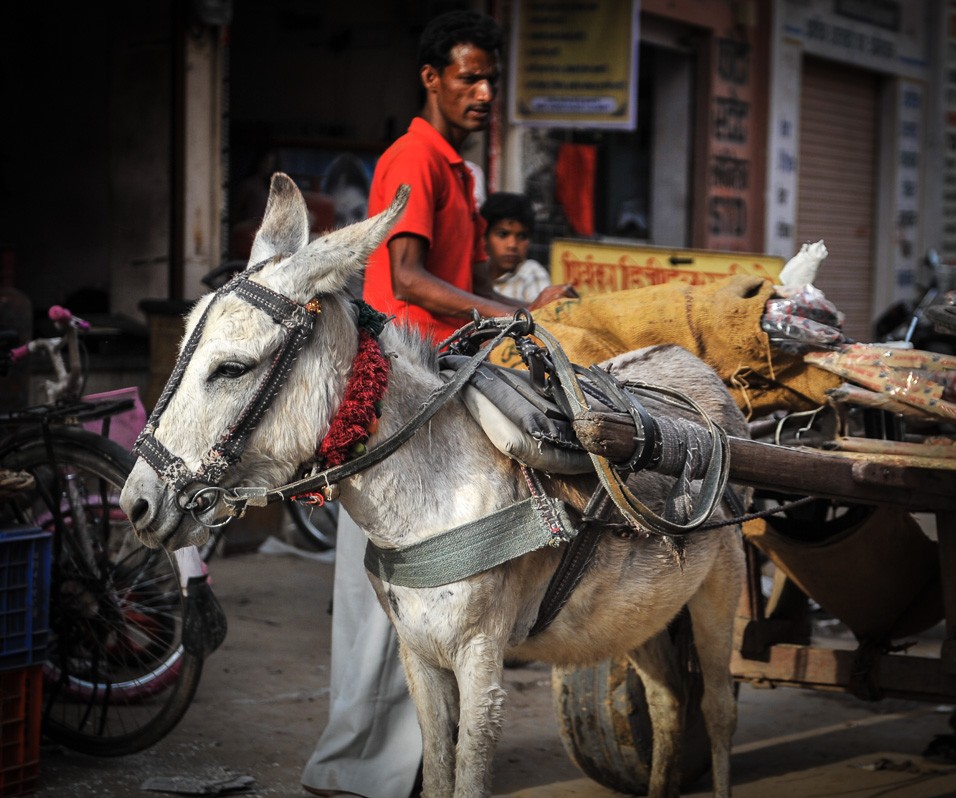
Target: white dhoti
{"type": "Point", "coordinates": [372, 744]}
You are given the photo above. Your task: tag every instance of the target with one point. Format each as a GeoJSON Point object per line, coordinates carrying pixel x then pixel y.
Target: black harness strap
{"type": "Point", "coordinates": [574, 562]}
{"type": "Point", "coordinates": [577, 555]}
{"type": "Point", "coordinates": [299, 323]}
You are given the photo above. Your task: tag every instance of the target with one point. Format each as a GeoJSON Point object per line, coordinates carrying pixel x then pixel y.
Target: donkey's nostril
{"type": "Point", "coordinates": [139, 513]}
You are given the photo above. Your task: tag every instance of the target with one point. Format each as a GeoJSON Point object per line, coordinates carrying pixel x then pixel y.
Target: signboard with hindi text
{"type": "Point", "coordinates": [574, 64]}
{"type": "Point", "coordinates": [594, 267]}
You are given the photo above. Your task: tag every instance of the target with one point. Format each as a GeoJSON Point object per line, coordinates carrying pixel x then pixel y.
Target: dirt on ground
{"type": "Point", "coordinates": [263, 701]}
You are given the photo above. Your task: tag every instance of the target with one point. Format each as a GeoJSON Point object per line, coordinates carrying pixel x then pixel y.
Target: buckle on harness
{"type": "Point", "coordinates": [203, 501]}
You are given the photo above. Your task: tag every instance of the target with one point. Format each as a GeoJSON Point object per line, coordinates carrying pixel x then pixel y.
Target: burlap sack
{"type": "Point", "coordinates": [719, 322]}
{"type": "Point", "coordinates": [880, 577]}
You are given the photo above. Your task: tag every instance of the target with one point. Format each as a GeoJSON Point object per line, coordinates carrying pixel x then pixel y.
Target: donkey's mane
{"type": "Point", "coordinates": [421, 349]}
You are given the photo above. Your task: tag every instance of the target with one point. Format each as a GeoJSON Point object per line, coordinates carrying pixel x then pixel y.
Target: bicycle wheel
{"type": "Point", "coordinates": [117, 678]}
{"type": "Point", "coordinates": [315, 525]}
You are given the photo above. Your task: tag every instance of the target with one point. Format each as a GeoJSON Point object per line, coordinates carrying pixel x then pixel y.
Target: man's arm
{"type": "Point", "coordinates": [412, 283]}
{"type": "Point", "coordinates": [484, 286]}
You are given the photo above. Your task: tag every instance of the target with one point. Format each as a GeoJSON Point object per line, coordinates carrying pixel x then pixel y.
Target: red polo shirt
{"type": "Point", "coordinates": [441, 209]}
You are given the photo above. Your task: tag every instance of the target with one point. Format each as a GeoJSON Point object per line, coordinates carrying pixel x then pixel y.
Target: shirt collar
{"type": "Point", "coordinates": [422, 128]}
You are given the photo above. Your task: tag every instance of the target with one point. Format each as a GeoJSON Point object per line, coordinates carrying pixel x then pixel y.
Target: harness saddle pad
{"type": "Point", "coordinates": [521, 423]}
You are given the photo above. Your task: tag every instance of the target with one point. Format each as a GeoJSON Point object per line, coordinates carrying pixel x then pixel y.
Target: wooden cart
{"type": "Point", "coordinates": [764, 656]}
{"type": "Point", "coordinates": [601, 709]}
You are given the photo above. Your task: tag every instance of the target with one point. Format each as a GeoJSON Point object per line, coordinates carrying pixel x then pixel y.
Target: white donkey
{"type": "Point", "coordinates": [453, 637]}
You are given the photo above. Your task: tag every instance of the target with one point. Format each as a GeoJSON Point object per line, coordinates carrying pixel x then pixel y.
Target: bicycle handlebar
{"type": "Point", "coordinates": [61, 316]}
{"type": "Point", "coordinates": [68, 377]}
{"type": "Point", "coordinates": [64, 321]}
{"type": "Point", "coordinates": [18, 353]}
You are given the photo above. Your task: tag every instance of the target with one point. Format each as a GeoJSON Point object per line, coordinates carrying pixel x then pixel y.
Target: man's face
{"type": "Point", "coordinates": [464, 89]}
{"type": "Point", "coordinates": [507, 242]}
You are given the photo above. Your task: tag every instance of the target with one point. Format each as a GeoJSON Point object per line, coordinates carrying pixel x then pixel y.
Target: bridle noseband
{"type": "Point", "coordinates": [299, 322]}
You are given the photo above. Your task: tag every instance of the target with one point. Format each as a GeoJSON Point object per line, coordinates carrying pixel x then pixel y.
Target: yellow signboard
{"type": "Point", "coordinates": [593, 267]}
{"type": "Point", "coordinates": [573, 64]}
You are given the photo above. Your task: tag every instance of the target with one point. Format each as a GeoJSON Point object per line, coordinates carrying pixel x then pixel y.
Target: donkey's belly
{"type": "Point", "coordinates": [632, 590]}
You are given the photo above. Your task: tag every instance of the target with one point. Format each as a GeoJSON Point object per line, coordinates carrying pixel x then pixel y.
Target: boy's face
{"type": "Point", "coordinates": [507, 242]}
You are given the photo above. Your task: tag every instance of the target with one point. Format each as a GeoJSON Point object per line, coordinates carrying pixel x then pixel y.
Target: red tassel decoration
{"type": "Point", "coordinates": [357, 415]}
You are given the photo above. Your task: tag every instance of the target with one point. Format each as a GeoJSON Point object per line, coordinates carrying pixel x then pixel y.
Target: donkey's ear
{"type": "Point", "coordinates": [285, 224]}
{"type": "Point", "coordinates": [328, 262]}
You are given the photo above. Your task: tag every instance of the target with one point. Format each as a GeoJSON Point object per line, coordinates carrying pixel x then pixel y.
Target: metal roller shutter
{"type": "Point", "coordinates": [837, 183]}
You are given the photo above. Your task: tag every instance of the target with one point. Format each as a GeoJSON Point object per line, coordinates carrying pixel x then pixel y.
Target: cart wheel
{"type": "Point", "coordinates": [606, 730]}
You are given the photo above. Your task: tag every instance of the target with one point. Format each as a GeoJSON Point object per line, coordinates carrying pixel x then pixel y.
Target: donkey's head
{"type": "Point", "coordinates": [261, 371]}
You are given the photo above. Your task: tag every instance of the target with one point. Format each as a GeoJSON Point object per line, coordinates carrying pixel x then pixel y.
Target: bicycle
{"type": "Point", "coordinates": [129, 626]}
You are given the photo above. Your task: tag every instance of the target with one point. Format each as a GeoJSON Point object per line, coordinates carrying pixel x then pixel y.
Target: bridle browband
{"type": "Point", "coordinates": [299, 322]}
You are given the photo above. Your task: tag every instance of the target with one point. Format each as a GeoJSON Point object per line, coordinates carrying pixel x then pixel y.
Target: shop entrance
{"type": "Point", "coordinates": [644, 175]}
{"type": "Point", "coordinates": [642, 179]}
{"type": "Point", "coordinates": [837, 188]}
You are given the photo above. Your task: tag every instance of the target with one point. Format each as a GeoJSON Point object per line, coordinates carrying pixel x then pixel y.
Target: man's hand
{"type": "Point", "coordinates": [552, 293]}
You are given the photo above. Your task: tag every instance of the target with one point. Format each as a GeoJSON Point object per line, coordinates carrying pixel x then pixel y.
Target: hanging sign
{"type": "Point", "coordinates": [574, 63]}
{"type": "Point", "coordinates": [595, 267]}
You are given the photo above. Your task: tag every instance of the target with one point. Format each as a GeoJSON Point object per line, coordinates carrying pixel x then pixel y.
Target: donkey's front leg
{"type": "Point", "coordinates": [479, 727]}
{"type": "Point", "coordinates": [436, 701]}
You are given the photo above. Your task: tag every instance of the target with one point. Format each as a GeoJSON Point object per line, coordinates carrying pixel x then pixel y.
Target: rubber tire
{"type": "Point", "coordinates": [103, 458]}
{"type": "Point", "coordinates": [606, 730]}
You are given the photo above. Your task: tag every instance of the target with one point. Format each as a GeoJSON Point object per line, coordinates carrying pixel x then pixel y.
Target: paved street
{"type": "Point", "coordinates": [263, 701]}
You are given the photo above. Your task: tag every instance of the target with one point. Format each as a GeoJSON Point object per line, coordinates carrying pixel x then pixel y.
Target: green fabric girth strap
{"type": "Point", "coordinates": [474, 547]}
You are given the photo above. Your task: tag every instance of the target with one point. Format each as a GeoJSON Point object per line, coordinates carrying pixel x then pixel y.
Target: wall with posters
{"type": "Point", "coordinates": [947, 99]}
{"type": "Point", "coordinates": [700, 140]}
{"type": "Point", "coordinates": [574, 64]}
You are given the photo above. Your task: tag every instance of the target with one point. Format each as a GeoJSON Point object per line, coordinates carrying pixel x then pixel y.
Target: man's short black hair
{"type": "Point", "coordinates": [505, 205]}
{"type": "Point", "coordinates": [446, 31]}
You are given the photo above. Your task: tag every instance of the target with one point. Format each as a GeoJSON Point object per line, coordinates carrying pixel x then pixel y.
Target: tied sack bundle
{"type": "Point", "coordinates": [718, 322]}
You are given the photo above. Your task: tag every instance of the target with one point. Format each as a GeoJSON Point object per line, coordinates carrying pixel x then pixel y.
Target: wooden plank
{"type": "Point", "coordinates": [813, 473]}
{"type": "Point", "coordinates": [896, 676]}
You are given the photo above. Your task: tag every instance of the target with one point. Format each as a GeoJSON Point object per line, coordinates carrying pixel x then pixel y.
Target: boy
{"type": "Point", "coordinates": [510, 220]}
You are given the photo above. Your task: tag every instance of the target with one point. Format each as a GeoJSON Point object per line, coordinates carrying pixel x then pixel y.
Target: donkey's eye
{"type": "Point", "coordinates": [230, 370]}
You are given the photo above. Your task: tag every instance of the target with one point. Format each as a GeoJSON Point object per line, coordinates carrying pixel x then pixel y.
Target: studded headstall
{"type": "Point", "coordinates": [299, 322]}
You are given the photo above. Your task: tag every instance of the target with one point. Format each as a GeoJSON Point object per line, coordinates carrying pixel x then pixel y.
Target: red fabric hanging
{"type": "Point", "coordinates": [574, 185]}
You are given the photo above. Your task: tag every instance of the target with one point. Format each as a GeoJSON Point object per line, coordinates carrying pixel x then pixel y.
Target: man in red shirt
{"type": "Point", "coordinates": [428, 273]}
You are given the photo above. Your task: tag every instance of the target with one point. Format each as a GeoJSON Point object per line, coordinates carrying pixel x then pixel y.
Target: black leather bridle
{"type": "Point", "coordinates": [299, 322]}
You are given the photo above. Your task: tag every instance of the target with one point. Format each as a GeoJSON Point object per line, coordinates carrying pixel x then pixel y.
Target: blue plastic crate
{"type": "Point", "coordinates": [24, 596]}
